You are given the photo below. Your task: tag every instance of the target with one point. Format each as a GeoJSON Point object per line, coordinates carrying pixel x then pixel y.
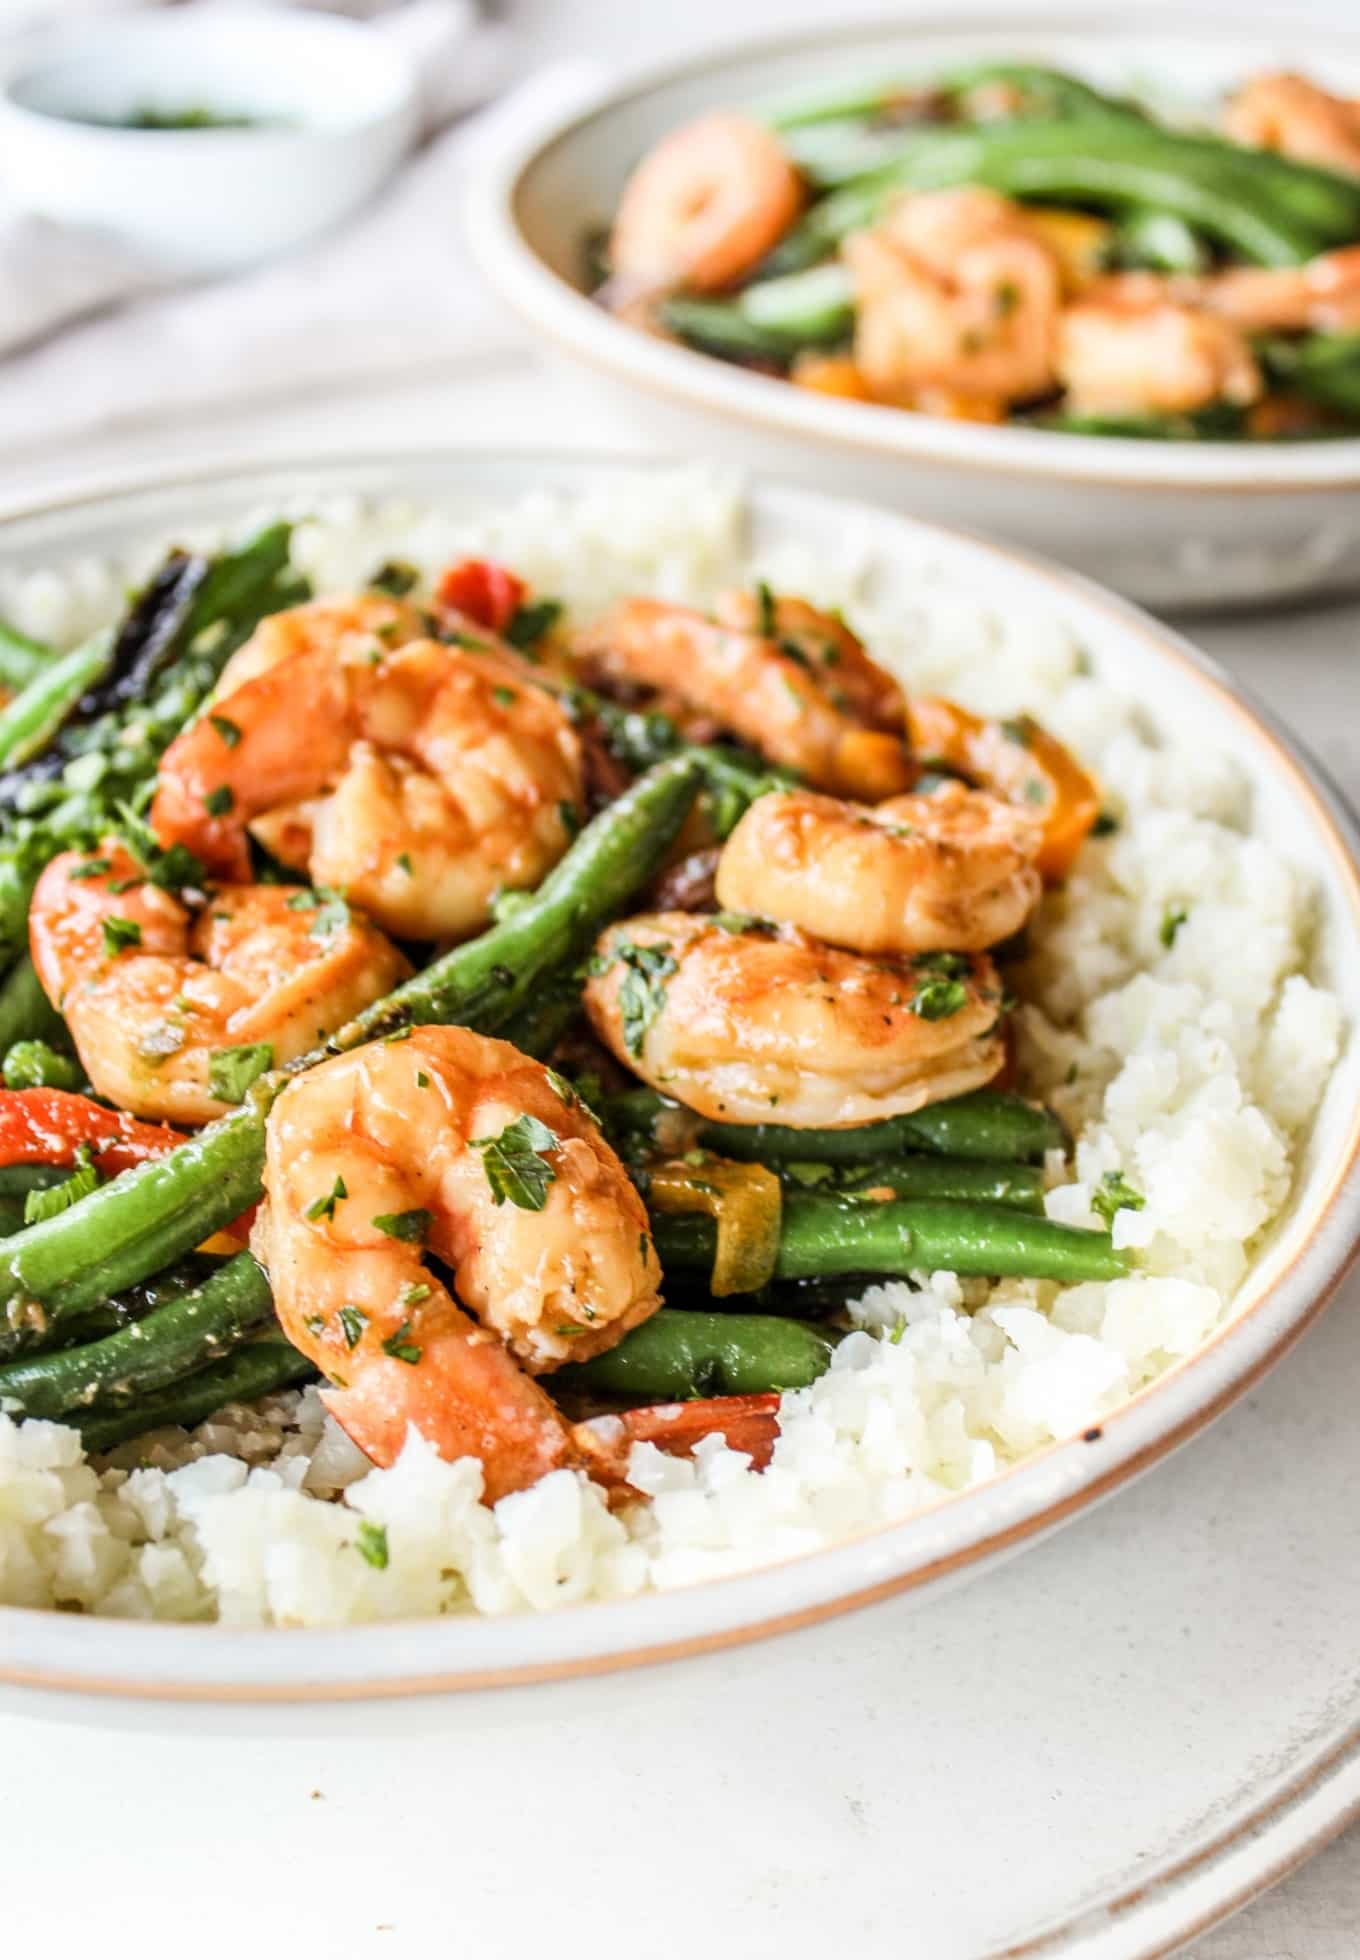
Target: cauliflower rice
{"type": "Point", "coordinates": [1169, 1017]}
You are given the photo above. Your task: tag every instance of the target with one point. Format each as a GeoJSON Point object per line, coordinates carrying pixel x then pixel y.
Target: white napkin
{"type": "Point", "coordinates": [390, 293]}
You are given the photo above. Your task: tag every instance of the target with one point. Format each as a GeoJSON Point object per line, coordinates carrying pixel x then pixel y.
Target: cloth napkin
{"type": "Point", "coordinates": [391, 293]}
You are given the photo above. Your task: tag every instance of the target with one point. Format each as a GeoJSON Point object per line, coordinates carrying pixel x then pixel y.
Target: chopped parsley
{"type": "Point", "coordinates": [571, 819]}
{"type": "Point", "coordinates": [1020, 730]}
{"type": "Point", "coordinates": [515, 1164]}
{"type": "Point", "coordinates": [1105, 824]}
{"type": "Point", "coordinates": [39, 1205]}
{"type": "Point", "coordinates": [226, 728]}
{"type": "Point", "coordinates": [532, 621]}
{"type": "Point", "coordinates": [404, 863]}
{"type": "Point", "coordinates": [232, 1070]}
{"type": "Point", "coordinates": [766, 611]}
{"type": "Point", "coordinates": [171, 869]}
{"type": "Point", "coordinates": [937, 999]}
{"type": "Point", "coordinates": [642, 993]}
{"type": "Point", "coordinates": [120, 934]}
{"type": "Point", "coordinates": [396, 577]}
{"type": "Point", "coordinates": [411, 1227]}
{"type": "Point", "coordinates": [412, 1295]}
{"type": "Point", "coordinates": [1115, 1193]}
{"type": "Point", "coordinates": [371, 1544]}
{"type": "Point", "coordinates": [949, 966]}
{"type": "Point", "coordinates": [504, 697]}
{"type": "Point", "coordinates": [92, 868]}
{"type": "Point", "coordinates": [401, 1347]}
{"type": "Point", "coordinates": [325, 1207]}
{"type": "Point", "coordinates": [218, 801]}
{"type": "Point", "coordinates": [1173, 919]}
{"type": "Point", "coordinates": [332, 914]}
{"type": "Point", "coordinates": [353, 1321]}
{"type": "Point", "coordinates": [422, 1080]}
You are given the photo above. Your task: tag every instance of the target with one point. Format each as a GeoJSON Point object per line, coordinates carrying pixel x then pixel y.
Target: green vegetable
{"type": "Point", "coordinates": [21, 659]}
{"type": "Point", "coordinates": [56, 1198]}
{"type": "Point", "coordinates": [26, 1014]}
{"type": "Point", "coordinates": [516, 1164]}
{"type": "Point", "coordinates": [676, 1355]}
{"type": "Point", "coordinates": [371, 1544]}
{"type": "Point", "coordinates": [772, 319]}
{"type": "Point", "coordinates": [642, 991]}
{"type": "Point", "coordinates": [1020, 1186]}
{"type": "Point", "coordinates": [198, 1322]}
{"type": "Point", "coordinates": [1115, 1193]}
{"type": "Point", "coordinates": [826, 1235]}
{"type": "Point", "coordinates": [1161, 241]}
{"type": "Point", "coordinates": [987, 1124]}
{"type": "Point", "coordinates": [411, 1227]}
{"type": "Point", "coordinates": [1265, 208]}
{"type": "Point", "coordinates": [231, 1071]}
{"type": "Point", "coordinates": [37, 1065]}
{"type": "Point", "coordinates": [29, 721]}
{"type": "Point", "coordinates": [259, 1368]}
{"type": "Point", "coordinates": [1323, 367]}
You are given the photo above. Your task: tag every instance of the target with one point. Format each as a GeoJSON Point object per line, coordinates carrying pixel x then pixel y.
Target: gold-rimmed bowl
{"type": "Point", "coordinates": [1188, 525]}
{"type": "Point", "coordinates": [1291, 1278]}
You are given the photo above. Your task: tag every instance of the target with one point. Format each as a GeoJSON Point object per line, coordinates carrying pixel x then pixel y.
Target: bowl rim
{"type": "Point", "coordinates": [554, 307]}
{"type": "Point", "coordinates": [50, 47]}
{"type": "Point", "coordinates": [45, 1649]}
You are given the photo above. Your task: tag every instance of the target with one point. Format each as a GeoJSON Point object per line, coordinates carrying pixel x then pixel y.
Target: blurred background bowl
{"type": "Point", "coordinates": [1204, 525]}
{"type": "Point", "coordinates": [326, 109]}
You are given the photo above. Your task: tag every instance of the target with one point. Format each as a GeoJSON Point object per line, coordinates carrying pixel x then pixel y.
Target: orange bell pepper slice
{"type": "Point", "coordinates": [1019, 761]}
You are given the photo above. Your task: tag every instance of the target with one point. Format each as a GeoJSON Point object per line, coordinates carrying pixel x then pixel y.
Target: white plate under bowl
{"type": "Point", "coordinates": [1179, 691]}
{"type": "Point", "coordinates": [1188, 525]}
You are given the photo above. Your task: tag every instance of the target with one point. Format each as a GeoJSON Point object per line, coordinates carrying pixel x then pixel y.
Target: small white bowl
{"type": "Point", "coordinates": [333, 107]}
{"type": "Point", "coordinates": [1207, 524]}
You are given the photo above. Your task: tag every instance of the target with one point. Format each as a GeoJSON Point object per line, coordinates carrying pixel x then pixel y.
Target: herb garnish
{"type": "Point", "coordinates": [218, 801]}
{"type": "Point", "coordinates": [642, 994]}
{"type": "Point", "coordinates": [119, 934]}
{"type": "Point", "coordinates": [226, 728]}
{"type": "Point", "coordinates": [1115, 1193]}
{"type": "Point", "coordinates": [232, 1070]}
{"type": "Point", "coordinates": [529, 623]}
{"type": "Point", "coordinates": [325, 1207]}
{"type": "Point", "coordinates": [1173, 919]}
{"type": "Point", "coordinates": [400, 1348]}
{"type": "Point", "coordinates": [39, 1205]}
{"type": "Point", "coordinates": [353, 1321]}
{"type": "Point", "coordinates": [516, 1168]}
{"type": "Point", "coordinates": [371, 1544]}
{"type": "Point", "coordinates": [411, 1227]}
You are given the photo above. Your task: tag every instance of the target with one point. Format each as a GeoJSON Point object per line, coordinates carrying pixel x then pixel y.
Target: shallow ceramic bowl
{"type": "Point", "coordinates": [1179, 691]}
{"type": "Point", "coordinates": [1171, 524]}
{"type": "Point", "coordinates": [334, 105]}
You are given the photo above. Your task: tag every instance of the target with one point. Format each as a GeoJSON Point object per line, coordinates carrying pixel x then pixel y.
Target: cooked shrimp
{"type": "Point", "coordinates": [954, 291]}
{"type": "Point", "coordinates": [353, 625]}
{"type": "Point", "coordinates": [151, 991]}
{"type": "Point", "coordinates": [1129, 349]}
{"type": "Point", "coordinates": [1290, 114]}
{"type": "Point", "coordinates": [950, 871]}
{"type": "Point", "coordinates": [747, 1024]}
{"type": "Point", "coordinates": [1017, 760]}
{"type": "Point", "coordinates": [793, 682]}
{"type": "Point", "coordinates": [420, 779]}
{"type": "Point", "coordinates": [1323, 295]}
{"type": "Point", "coordinates": [455, 1145]}
{"type": "Point", "coordinates": [704, 206]}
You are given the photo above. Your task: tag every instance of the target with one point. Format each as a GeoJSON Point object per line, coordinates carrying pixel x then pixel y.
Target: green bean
{"type": "Point", "coordinates": [150, 1215]}
{"type": "Point", "coordinates": [1162, 241]}
{"type": "Point", "coordinates": [259, 1368]}
{"type": "Point", "coordinates": [26, 1014]}
{"type": "Point", "coordinates": [17, 1180]}
{"type": "Point", "coordinates": [1324, 367]}
{"type": "Point", "coordinates": [21, 659]}
{"type": "Point", "coordinates": [966, 1179]}
{"type": "Point", "coordinates": [541, 1023]}
{"type": "Point", "coordinates": [824, 1235]}
{"type": "Point", "coordinates": [1052, 92]}
{"type": "Point", "coordinates": [773, 319]}
{"type": "Point", "coordinates": [987, 1124]}
{"type": "Point", "coordinates": [1220, 422]}
{"type": "Point", "coordinates": [38, 1065]}
{"type": "Point", "coordinates": [1225, 193]}
{"type": "Point", "coordinates": [30, 720]}
{"type": "Point", "coordinates": [186, 1333]}
{"type": "Point", "coordinates": [676, 1355]}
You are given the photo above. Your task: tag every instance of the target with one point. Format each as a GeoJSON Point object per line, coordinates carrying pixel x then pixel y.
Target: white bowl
{"type": "Point", "coordinates": [1174, 525]}
{"type": "Point", "coordinates": [1294, 1275]}
{"type": "Point", "coordinates": [335, 103]}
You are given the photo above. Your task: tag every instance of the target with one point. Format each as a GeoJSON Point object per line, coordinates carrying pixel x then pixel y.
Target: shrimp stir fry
{"type": "Point", "coordinates": [793, 682]}
{"type": "Point", "coordinates": [455, 1148]}
{"type": "Point", "coordinates": [705, 207]}
{"type": "Point", "coordinates": [955, 291]}
{"type": "Point", "coordinates": [157, 995]}
{"type": "Point", "coordinates": [420, 777]}
{"type": "Point", "coordinates": [952, 871]}
{"type": "Point", "coordinates": [747, 1023]}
